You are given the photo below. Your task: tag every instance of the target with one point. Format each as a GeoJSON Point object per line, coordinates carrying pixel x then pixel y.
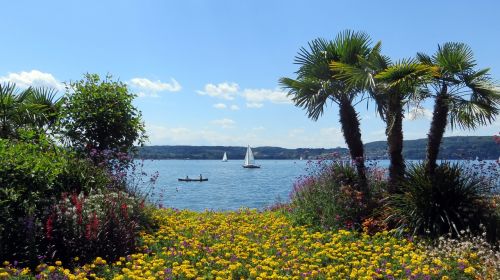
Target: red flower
{"type": "Point", "coordinates": [123, 209]}
{"type": "Point", "coordinates": [49, 226]}
{"type": "Point", "coordinates": [92, 227]}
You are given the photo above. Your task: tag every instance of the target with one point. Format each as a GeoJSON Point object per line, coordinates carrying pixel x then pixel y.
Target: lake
{"type": "Point", "coordinates": [229, 185]}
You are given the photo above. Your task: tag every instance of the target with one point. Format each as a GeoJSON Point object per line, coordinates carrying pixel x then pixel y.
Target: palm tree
{"type": "Point", "coordinates": [12, 106]}
{"type": "Point", "coordinates": [391, 86]}
{"type": "Point", "coordinates": [33, 108]}
{"type": "Point", "coordinates": [316, 86]}
{"type": "Point", "coordinates": [44, 108]}
{"type": "Point", "coordinates": [463, 96]}
{"type": "Point", "coordinates": [401, 84]}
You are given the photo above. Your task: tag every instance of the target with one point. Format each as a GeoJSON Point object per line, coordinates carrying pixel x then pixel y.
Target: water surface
{"type": "Point", "coordinates": [229, 185]}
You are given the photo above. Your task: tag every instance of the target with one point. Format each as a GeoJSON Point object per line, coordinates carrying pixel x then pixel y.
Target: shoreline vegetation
{"type": "Point", "coordinates": [76, 205]}
{"type": "Point", "coordinates": [453, 148]}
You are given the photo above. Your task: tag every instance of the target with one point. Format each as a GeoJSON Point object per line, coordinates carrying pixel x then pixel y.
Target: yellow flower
{"type": "Point", "coordinates": [469, 270]}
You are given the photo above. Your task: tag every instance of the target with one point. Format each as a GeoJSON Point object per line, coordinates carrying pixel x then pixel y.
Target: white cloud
{"type": "Point", "coordinates": [255, 105]}
{"type": "Point", "coordinates": [256, 137]}
{"type": "Point", "coordinates": [234, 107]}
{"type": "Point", "coordinates": [145, 94]}
{"type": "Point", "coordinates": [220, 106]}
{"type": "Point", "coordinates": [418, 112]}
{"type": "Point", "coordinates": [155, 86]}
{"type": "Point", "coordinates": [261, 95]}
{"type": "Point", "coordinates": [164, 135]}
{"type": "Point", "coordinates": [224, 123]}
{"type": "Point", "coordinates": [326, 137]}
{"type": "Point", "coordinates": [33, 78]}
{"type": "Point", "coordinates": [223, 90]}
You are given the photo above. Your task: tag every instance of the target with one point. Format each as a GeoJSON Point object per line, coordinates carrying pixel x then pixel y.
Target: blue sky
{"type": "Point", "coordinates": [207, 72]}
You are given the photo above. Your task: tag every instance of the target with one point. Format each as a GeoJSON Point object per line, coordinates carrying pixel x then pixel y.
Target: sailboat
{"type": "Point", "coordinates": [249, 160]}
{"type": "Point", "coordinates": [224, 158]}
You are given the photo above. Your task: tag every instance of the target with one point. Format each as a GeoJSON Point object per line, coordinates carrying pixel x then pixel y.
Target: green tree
{"type": "Point", "coordinates": [316, 86]}
{"type": "Point", "coordinates": [464, 97]}
{"type": "Point", "coordinates": [99, 115]}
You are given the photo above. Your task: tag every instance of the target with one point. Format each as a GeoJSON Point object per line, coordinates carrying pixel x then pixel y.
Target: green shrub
{"type": "Point", "coordinates": [452, 200]}
{"type": "Point", "coordinates": [28, 174]}
{"type": "Point", "coordinates": [329, 198]}
{"type": "Point", "coordinates": [81, 175]}
{"type": "Point", "coordinates": [32, 176]}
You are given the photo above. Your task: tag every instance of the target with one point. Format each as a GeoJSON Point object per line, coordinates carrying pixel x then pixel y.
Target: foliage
{"type": "Point", "coordinates": [99, 114]}
{"type": "Point", "coordinates": [473, 95]}
{"type": "Point", "coordinates": [464, 97]}
{"type": "Point", "coordinates": [33, 173]}
{"type": "Point", "coordinates": [317, 85]}
{"type": "Point", "coordinates": [448, 202]}
{"type": "Point", "coordinates": [265, 245]}
{"type": "Point", "coordinates": [101, 224]}
{"type": "Point", "coordinates": [100, 120]}
{"type": "Point", "coordinates": [328, 197]}
{"type": "Point", "coordinates": [35, 109]}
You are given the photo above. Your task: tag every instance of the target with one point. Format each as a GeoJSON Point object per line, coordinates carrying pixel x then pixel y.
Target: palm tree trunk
{"type": "Point", "coordinates": [437, 129]}
{"type": "Point", "coordinates": [352, 135]}
{"type": "Point", "coordinates": [394, 133]}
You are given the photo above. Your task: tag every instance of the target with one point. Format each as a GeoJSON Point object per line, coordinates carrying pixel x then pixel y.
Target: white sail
{"type": "Point", "coordinates": [249, 160]}
{"type": "Point", "coordinates": [224, 158]}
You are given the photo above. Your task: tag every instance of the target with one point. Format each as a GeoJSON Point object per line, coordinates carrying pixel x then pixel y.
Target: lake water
{"type": "Point", "coordinates": [229, 185]}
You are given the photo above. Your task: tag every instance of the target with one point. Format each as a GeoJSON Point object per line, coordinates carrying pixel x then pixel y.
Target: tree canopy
{"type": "Point", "coordinates": [99, 115]}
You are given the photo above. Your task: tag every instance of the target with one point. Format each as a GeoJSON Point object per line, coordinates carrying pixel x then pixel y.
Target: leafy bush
{"type": "Point", "coordinates": [329, 198]}
{"type": "Point", "coordinates": [448, 202]}
{"type": "Point", "coordinates": [28, 175]}
{"type": "Point", "coordinates": [32, 176]}
{"type": "Point", "coordinates": [101, 224]}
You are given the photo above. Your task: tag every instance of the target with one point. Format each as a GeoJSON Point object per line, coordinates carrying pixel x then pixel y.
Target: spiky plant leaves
{"type": "Point", "coordinates": [447, 202]}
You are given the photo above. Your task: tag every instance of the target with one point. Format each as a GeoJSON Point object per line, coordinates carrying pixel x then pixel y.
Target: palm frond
{"type": "Point", "coordinates": [469, 114]}
{"type": "Point", "coordinates": [406, 74]}
{"type": "Point", "coordinates": [309, 94]}
{"type": "Point", "coordinates": [454, 58]}
{"type": "Point", "coordinates": [355, 77]}
{"type": "Point", "coordinates": [424, 58]}
{"type": "Point", "coordinates": [350, 45]}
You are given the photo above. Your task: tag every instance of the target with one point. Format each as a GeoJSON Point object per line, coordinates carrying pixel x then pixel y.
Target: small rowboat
{"type": "Point", "coordinates": [192, 179]}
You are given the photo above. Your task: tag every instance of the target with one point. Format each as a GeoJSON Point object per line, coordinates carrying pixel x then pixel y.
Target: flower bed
{"type": "Point", "coordinates": [265, 245]}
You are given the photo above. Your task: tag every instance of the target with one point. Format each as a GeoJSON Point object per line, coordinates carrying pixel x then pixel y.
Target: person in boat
{"type": "Point", "coordinates": [187, 177]}
{"type": "Point", "coordinates": [201, 177]}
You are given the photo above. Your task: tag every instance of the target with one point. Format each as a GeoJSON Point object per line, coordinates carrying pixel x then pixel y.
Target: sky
{"type": "Point", "coordinates": [206, 72]}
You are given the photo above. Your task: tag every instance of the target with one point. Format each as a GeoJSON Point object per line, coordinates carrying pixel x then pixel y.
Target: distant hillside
{"type": "Point", "coordinates": [460, 147]}
{"type": "Point", "coordinates": [216, 152]}
{"type": "Point", "coordinates": [456, 147]}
